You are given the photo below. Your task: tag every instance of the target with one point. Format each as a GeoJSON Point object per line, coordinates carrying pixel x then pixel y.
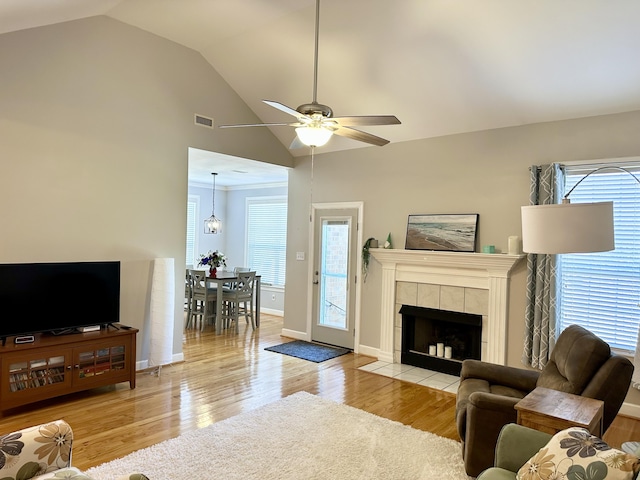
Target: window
{"type": "Point", "coordinates": [601, 291]}
{"type": "Point", "coordinates": [192, 215]}
{"type": "Point", "coordinates": [267, 238]}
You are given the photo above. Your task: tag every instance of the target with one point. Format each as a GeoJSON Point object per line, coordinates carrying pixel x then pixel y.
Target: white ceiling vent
{"type": "Point", "coordinates": [203, 121]}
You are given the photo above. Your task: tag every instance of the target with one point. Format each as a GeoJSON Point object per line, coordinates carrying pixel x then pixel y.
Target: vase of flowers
{"type": "Point", "coordinates": [214, 260]}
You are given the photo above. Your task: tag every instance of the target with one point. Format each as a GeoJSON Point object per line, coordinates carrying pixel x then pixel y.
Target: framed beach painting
{"type": "Point", "coordinates": [449, 232]}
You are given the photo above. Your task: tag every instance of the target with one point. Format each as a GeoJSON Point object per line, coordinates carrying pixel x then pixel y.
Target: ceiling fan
{"type": "Point", "coordinates": [315, 123]}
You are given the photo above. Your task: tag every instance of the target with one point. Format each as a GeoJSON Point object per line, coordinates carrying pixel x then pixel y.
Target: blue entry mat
{"type": "Point", "coordinates": [313, 352]}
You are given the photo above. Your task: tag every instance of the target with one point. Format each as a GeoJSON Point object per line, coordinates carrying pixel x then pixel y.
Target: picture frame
{"type": "Point", "coordinates": [442, 232]}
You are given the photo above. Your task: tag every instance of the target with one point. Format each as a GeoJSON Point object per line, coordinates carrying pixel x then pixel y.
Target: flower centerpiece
{"type": "Point", "coordinates": [214, 260]}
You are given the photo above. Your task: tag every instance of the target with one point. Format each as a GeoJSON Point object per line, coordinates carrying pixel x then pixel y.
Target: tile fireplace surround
{"type": "Point", "coordinates": [455, 281]}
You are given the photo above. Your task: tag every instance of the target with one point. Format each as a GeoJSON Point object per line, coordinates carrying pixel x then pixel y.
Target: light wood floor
{"type": "Point", "coordinates": [224, 375]}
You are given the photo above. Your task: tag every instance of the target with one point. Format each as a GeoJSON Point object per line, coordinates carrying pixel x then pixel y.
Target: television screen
{"type": "Point", "coordinates": [55, 297]}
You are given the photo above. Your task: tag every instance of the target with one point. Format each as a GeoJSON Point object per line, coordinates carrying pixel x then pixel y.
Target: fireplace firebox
{"type": "Point", "coordinates": [439, 339]}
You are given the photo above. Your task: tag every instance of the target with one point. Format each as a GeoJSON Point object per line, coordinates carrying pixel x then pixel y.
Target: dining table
{"type": "Point", "coordinates": [221, 277]}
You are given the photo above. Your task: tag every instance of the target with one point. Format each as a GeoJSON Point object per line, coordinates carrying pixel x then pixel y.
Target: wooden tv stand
{"type": "Point", "coordinates": [56, 365]}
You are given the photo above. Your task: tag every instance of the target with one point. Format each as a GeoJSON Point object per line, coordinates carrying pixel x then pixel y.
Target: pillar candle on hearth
{"type": "Point", "coordinates": [440, 349]}
{"type": "Point", "coordinates": [447, 352]}
{"type": "Point", "coordinates": [432, 350]}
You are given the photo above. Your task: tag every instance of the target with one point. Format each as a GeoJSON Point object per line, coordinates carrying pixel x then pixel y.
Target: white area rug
{"type": "Point", "coordinates": [299, 437]}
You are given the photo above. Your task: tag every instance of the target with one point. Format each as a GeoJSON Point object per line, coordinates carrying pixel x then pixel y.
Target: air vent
{"type": "Point", "coordinates": [203, 121]}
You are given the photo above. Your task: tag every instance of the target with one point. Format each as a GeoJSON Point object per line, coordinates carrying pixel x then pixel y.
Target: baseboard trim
{"type": "Point", "coordinates": [271, 311]}
{"type": "Point", "coordinates": [295, 334]}
{"type": "Point", "coordinates": [177, 357]}
{"type": "Point", "coordinates": [630, 410]}
{"type": "Point", "coordinates": [144, 364]}
{"type": "Point", "coordinates": [369, 351]}
{"type": "Point", "coordinates": [375, 352]}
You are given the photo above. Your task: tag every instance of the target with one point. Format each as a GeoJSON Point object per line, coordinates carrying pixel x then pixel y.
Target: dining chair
{"type": "Point", "coordinates": [203, 299]}
{"type": "Point", "coordinates": [236, 270]}
{"type": "Point", "coordinates": [238, 300]}
{"type": "Point", "coordinates": [187, 296]}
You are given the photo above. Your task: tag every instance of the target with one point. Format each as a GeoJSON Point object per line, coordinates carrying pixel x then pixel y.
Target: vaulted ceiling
{"type": "Point", "coordinates": [441, 66]}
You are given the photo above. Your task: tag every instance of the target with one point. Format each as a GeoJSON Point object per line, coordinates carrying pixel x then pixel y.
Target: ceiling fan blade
{"type": "Point", "coordinates": [367, 120]}
{"type": "Point", "coordinates": [284, 108]}
{"type": "Point", "coordinates": [361, 136]}
{"type": "Point", "coordinates": [261, 125]}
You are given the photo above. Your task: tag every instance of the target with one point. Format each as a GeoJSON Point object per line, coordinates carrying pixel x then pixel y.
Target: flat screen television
{"type": "Point", "coordinates": [57, 297]}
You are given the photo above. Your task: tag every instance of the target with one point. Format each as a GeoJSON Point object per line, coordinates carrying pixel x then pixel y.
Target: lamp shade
{"type": "Point", "coordinates": [568, 228]}
{"type": "Point", "coordinates": [314, 136]}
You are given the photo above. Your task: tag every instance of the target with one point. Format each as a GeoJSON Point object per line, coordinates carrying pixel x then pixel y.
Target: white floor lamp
{"type": "Point", "coordinates": [573, 228]}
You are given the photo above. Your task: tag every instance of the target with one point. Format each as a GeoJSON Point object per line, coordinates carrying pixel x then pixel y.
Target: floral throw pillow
{"type": "Point", "coordinates": [575, 454]}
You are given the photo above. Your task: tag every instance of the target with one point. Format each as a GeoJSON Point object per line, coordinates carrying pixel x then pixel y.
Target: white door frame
{"type": "Point", "coordinates": [359, 206]}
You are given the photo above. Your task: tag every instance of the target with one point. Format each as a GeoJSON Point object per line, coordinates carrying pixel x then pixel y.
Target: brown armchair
{"type": "Point", "coordinates": [580, 363]}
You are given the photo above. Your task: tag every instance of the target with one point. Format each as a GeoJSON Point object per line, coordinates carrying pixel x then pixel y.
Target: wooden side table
{"type": "Point", "coordinates": [551, 411]}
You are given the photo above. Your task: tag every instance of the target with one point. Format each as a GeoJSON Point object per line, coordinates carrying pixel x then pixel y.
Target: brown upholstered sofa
{"type": "Point", "coordinates": [581, 363]}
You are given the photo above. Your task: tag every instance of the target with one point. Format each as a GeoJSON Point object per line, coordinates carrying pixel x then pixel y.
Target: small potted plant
{"type": "Point", "coordinates": [366, 255]}
{"type": "Point", "coordinates": [214, 260]}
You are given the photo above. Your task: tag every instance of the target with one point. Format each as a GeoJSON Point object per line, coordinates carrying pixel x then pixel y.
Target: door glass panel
{"type": "Point", "coordinates": [334, 270]}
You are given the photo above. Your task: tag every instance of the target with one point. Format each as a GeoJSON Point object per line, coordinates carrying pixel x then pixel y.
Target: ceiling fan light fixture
{"type": "Point", "coordinates": [314, 136]}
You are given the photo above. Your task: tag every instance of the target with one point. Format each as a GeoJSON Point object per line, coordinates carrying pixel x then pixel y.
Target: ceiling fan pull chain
{"type": "Point", "coordinates": [311, 187]}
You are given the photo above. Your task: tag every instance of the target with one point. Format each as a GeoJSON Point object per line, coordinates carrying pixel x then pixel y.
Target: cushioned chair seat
{"type": "Point", "coordinates": [515, 445]}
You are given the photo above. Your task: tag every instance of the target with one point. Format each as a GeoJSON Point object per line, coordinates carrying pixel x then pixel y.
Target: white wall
{"type": "Point", "coordinates": [96, 120]}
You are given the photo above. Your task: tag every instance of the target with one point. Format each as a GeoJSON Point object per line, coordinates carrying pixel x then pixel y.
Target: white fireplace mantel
{"type": "Point", "coordinates": [476, 270]}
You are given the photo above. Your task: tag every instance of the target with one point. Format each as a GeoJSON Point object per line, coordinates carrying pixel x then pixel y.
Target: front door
{"type": "Point", "coordinates": [334, 276]}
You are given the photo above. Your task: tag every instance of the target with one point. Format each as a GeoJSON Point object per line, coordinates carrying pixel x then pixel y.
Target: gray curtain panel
{"type": "Point", "coordinates": [547, 183]}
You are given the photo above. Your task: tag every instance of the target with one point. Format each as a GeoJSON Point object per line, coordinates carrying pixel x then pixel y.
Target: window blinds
{"type": "Point", "coordinates": [192, 210]}
{"type": "Point", "coordinates": [267, 238]}
{"type": "Point", "coordinates": [601, 291]}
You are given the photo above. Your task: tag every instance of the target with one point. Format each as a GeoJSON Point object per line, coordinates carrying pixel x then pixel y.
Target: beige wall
{"type": "Point", "coordinates": [95, 120]}
{"type": "Point", "coordinates": [484, 172]}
